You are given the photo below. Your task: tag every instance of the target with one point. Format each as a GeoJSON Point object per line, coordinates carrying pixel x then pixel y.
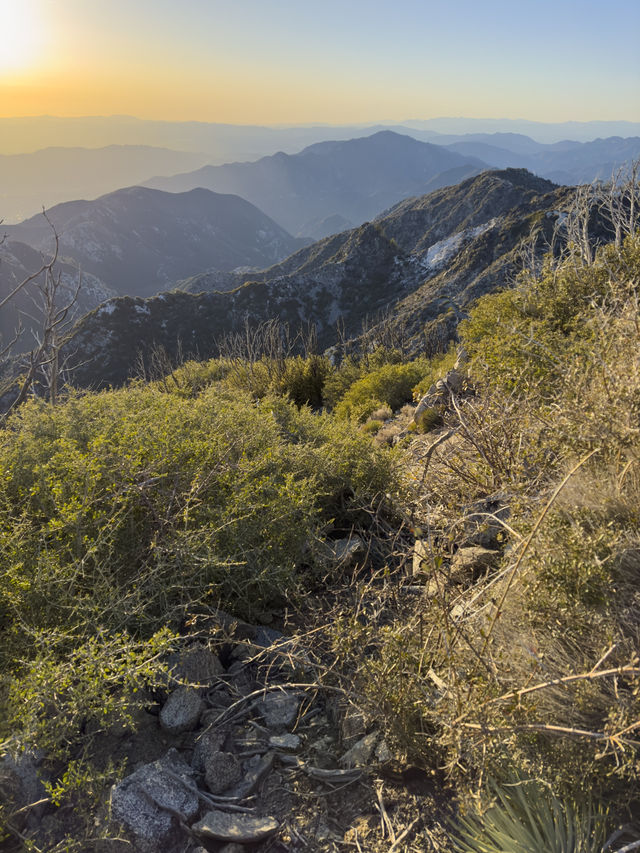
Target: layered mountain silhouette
{"type": "Point", "coordinates": [29, 182]}
{"type": "Point", "coordinates": [139, 241]}
{"type": "Point", "coordinates": [565, 162]}
{"type": "Point", "coordinates": [353, 180]}
{"type": "Point", "coordinates": [423, 261]}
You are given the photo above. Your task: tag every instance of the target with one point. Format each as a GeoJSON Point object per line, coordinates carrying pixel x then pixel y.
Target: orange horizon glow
{"type": "Point", "coordinates": [292, 63]}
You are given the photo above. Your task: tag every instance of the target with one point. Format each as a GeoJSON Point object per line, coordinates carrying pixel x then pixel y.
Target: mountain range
{"type": "Point", "coordinates": [278, 184]}
{"type": "Point", "coordinates": [354, 180]}
{"type": "Point", "coordinates": [419, 265]}
{"type": "Point", "coordinates": [223, 142]}
{"type": "Point", "coordinates": [331, 185]}
{"type": "Point", "coordinates": [141, 241]}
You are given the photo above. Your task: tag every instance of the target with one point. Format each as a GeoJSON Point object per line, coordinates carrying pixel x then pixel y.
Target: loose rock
{"type": "Point", "coordinates": [181, 712]}
{"type": "Point", "coordinates": [196, 665]}
{"type": "Point", "coordinates": [222, 770]}
{"type": "Point", "coordinates": [361, 752]}
{"type": "Point", "coordinates": [147, 801]}
{"type": "Point", "coordinates": [279, 709]}
{"type": "Point", "coordinates": [288, 741]}
{"type": "Point", "coordinates": [242, 828]}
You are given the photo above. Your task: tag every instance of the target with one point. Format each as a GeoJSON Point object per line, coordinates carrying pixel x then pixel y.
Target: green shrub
{"type": "Point", "coordinates": [123, 512]}
{"type": "Point", "coordinates": [391, 384]}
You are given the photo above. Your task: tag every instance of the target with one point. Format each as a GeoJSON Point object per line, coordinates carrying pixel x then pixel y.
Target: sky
{"type": "Point", "coordinates": [334, 61]}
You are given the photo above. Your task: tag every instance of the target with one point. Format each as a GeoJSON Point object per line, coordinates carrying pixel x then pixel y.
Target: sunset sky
{"type": "Point", "coordinates": [297, 61]}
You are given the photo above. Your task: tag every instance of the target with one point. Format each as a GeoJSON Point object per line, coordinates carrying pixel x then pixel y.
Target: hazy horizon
{"type": "Point", "coordinates": [290, 64]}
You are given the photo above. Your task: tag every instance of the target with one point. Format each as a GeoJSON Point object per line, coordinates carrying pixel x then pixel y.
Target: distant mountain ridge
{"type": "Point", "coordinates": [140, 241]}
{"type": "Point", "coordinates": [413, 263]}
{"type": "Point", "coordinates": [564, 162]}
{"type": "Point", "coordinates": [29, 182]}
{"type": "Point", "coordinates": [354, 179]}
{"type": "Point", "coordinates": [225, 142]}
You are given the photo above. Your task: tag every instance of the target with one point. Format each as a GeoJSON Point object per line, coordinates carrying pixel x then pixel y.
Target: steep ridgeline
{"type": "Point", "coordinates": [140, 241]}
{"type": "Point", "coordinates": [354, 180]}
{"type": "Point", "coordinates": [412, 263]}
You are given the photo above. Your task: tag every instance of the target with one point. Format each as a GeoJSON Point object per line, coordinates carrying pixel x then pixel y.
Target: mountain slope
{"type": "Point", "coordinates": [426, 253]}
{"type": "Point", "coordinates": [356, 179]}
{"type": "Point", "coordinates": [17, 263]}
{"type": "Point", "coordinates": [140, 241]}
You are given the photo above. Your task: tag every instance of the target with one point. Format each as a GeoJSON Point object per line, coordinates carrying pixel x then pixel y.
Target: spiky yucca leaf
{"type": "Point", "coordinates": [524, 818]}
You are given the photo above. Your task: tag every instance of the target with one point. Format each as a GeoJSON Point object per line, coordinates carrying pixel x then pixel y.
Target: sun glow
{"type": "Point", "coordinates": [21, 35]}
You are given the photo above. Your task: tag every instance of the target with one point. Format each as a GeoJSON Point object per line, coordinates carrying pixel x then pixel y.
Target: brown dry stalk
{"type": "Point", "coordinates": [547, 728]}
{"type": "Point", "coordinates": [582, 676]}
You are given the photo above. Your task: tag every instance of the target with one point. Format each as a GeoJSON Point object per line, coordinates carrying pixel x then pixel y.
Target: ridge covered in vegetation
{"type": "Point", "coordinates": [124, 513]}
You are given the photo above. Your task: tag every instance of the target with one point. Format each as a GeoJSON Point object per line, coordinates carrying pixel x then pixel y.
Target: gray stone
{"type": "Point", "coordinates": [346, 552]}
{"type": "Point", "coordinates": [207, 744]}
{"type": "Point", "coordinates": [360, 753]}
{"type": "Point", "coordinates": [196, 666]}
{"type": "Point", "coordinates": [422, 553]}
{"type": "Point", "coordinates": [222, 770]}
{"type": "Point", "coordinates": [383, 753]}
{"type": "Point", "coordinates": [256, 769]}
{"type": "Point", "coordinates": [353, 725]}
{"type": "Point", "coordinates": [181, 712]}
{"type": "Point", "coordinates": [288, 741]}
{"type": "Point", "coordinates": [147, 800]}
{"type": "Point", "coordinates": [242, 828]}
{"type": "Point", "coordinates": [279, 709]}
{"type": "Point", "coordinates": [20, 785]}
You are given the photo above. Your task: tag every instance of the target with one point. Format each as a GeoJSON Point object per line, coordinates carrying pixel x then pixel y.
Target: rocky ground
{"type": "Point", "coordinates": [247, 751]}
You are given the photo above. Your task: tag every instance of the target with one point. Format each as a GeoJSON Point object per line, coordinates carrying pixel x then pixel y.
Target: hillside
{"type": "Point", "coordinates": [454, 244]}
{"type": "Point", "coordinates": [355, 180]}
{"type": "Point", "coordinates": [140, 241]}
{"type": "Point", "coordinates": [17, 263]}
{"type": "Point", "coordinates": [229, 615]}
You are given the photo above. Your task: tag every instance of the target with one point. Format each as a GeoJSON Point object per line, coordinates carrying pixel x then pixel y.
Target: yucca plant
{"type": "Point", "coordinates": [525, 818]}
